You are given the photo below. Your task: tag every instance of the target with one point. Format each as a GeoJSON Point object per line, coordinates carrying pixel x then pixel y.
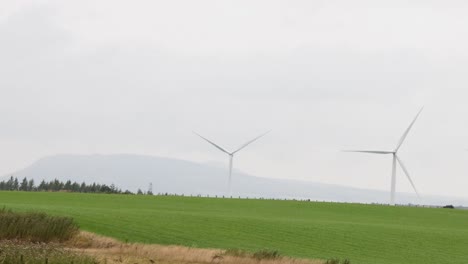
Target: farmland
{"type": "Point", "coordinates": [362, 233]}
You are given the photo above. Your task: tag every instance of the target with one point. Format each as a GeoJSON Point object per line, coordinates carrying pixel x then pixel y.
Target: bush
{"type": "Point", "coordinates": [35, 227]}
{"type": "Point", "coordinates": [337, 261]}
{"type": "Point", "coordinates": [333, 261]}
{"type": "Point", "coordinates": [259, 255]}
{"type": "Point", "coordinates": [266, 254]}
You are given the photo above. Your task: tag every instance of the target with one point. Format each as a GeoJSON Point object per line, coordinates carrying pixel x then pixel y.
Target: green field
{"type": "Point", "coordinates": [365, 234]}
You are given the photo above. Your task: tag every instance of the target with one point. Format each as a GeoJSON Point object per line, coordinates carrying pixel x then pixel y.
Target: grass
{"type": "Point", "coordinates": [35, 227]}
{"type": "Point", "coordinates": [366, 234]}
{"type": "Point", "coordinates": [37, 238]}
{"type": "Point", "coordinates": [110, 251]}
{"type": "Point", "coordinates": [39, 253]}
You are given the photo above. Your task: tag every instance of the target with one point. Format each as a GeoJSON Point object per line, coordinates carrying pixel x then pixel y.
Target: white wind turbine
{"type": "Point", "coordinates": [231, 154]}
{"type": "Point", "coordinates": [395, 160]}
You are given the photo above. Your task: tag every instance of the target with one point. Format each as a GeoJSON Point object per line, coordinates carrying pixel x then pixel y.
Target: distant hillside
{"type": "Point", "coordinates": [185, 177]}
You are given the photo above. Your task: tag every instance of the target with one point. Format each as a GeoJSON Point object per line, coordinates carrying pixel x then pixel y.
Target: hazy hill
{"type": "Point", "coordinates": [185, 177]}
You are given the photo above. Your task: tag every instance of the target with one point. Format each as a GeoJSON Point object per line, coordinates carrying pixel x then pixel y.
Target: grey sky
{"type": "Point", "coordinates": [139, 76]}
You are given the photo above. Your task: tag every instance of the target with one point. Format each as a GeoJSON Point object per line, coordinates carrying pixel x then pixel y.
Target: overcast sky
{"type": "Point", "coordinates": [107, 76]}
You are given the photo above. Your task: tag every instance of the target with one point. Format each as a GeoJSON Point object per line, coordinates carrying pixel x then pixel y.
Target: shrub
{"type": "Point", "coordinates": [259, 255]}
{"type": "Point", "coordinates": [35, 227]}
{"type": "Point", "coordinates": [266, 254]}
{"type": "Point", "coordinates": [337, 261]}
{"type": "Point", "coordinates": [333, 261]}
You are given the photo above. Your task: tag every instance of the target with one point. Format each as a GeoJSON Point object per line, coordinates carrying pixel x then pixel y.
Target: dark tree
{"type": "Point", "coordinates": [15, 184]}
{"type": "Point", "coordinates": [31, 185]}
{"type": "Point", "coordinates": [24, 185]}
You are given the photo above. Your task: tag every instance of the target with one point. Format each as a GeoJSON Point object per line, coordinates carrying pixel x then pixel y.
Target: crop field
{"type": "Point", "coordinates": [367, 234]}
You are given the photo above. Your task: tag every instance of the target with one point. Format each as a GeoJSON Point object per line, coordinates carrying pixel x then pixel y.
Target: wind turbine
{"type": "Point", "coordinates": [231, 154]}
{"type": "Point", "coordinates": [396, 160]}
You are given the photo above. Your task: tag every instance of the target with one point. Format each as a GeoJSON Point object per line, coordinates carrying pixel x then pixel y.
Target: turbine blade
{"type": "Point", "coordinates": [407, 174]}
{"type": "Point", "coordinates": [370, 151]}
{"type": "Point", "coordinates": [207, 140]}
{"type": "Point", "coordinates": [402, 139]}
{"type": "Point", "coordinates": [250, 142]}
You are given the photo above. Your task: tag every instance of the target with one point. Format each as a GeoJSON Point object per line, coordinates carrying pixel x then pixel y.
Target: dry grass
{"type": "Point", "coordinates": [109, 251]}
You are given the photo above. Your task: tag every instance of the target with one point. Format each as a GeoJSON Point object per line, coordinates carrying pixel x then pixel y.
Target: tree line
{"type": "Point", "coordinates": [13, 184]}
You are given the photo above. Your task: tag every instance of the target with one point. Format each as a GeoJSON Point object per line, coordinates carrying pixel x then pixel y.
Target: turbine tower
{"type": "Point", "coordinates": [396, 160]}
{"type": "Point", "coordinates": [231, 154]}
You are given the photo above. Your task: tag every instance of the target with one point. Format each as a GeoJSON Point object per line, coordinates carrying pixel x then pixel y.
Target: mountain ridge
{"type": "Point", "coordinates": [178, 176]}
